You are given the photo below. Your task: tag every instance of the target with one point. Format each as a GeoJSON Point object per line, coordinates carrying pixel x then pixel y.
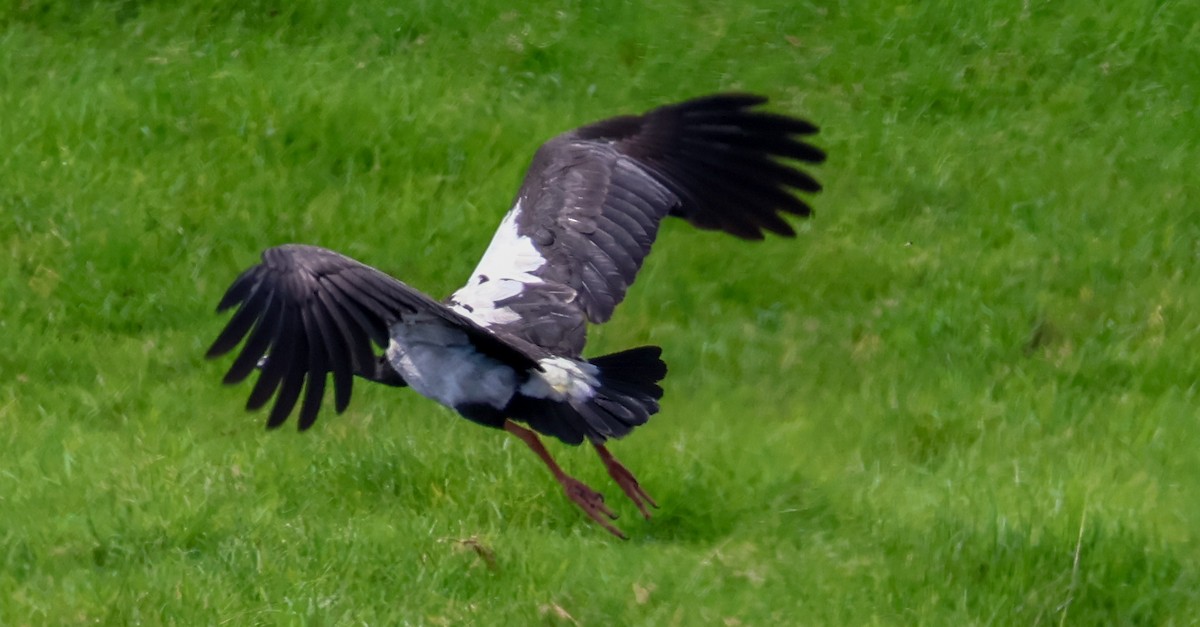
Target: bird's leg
{"type": "Point", "coordinates": [589, 500]}
{"type": "Point", "coordinates": [626, 480]}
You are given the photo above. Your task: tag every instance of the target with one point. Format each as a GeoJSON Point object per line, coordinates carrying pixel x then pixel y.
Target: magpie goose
{"type": "Point", "coordinates": [506, 348]}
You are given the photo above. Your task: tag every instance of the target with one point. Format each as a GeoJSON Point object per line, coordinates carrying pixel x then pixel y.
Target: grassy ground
{"type": "Point", "coordinates": [966, 393]}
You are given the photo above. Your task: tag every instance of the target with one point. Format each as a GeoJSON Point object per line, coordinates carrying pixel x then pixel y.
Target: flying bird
{"type": "Point", "coordinates": [505, 350]}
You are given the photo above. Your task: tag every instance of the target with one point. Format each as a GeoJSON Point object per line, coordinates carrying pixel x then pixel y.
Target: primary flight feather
{"type": "Point", "coordinates": [506, 348]}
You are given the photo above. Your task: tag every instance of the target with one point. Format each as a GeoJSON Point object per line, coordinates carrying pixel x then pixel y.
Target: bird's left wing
{"type": "Point", "coordinates": [309, 312]}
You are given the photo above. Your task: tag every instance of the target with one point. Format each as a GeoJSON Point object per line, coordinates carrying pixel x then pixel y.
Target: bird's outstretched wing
{"type": "Point", "coordinates": [591, 203]}
{"type": "Point", "coordinates": [311, 311]}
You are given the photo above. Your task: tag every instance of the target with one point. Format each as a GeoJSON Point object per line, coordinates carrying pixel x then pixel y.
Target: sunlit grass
{"type": "Point", "coordinates": [965, 393]}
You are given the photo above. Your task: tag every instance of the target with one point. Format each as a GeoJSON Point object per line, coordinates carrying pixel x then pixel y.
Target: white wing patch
{"type": "Point", "coordinates": [478, 301]}
{"type": "Point", "coordinates": [502, 273]}
{"type": "Point", "coordinates": [562, 379]}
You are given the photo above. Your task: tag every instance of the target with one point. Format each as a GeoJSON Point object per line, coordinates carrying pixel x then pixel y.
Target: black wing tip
{"type": "Point", "coordinates": [721, 101]}
{"type": "Point", "coordinates": [233, 378]}
{"type": "Point", "coordinates": [231, 298]}
{"type": "Point", "coordinates": [216, 351]}
{"type": "Point", "coordinates": [734, 108]}
{"type": "Point", "coordinates": [783, 231]}
{"type": "Point", "coordinates": [258, 291]}
{"type": "Point", "coordinates": [275, 421]}
{"type": "Point", "coordinates": [742, 172]}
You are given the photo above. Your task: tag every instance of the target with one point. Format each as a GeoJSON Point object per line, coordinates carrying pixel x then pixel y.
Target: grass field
{"type": "Point", "coordinates": [966, 393]}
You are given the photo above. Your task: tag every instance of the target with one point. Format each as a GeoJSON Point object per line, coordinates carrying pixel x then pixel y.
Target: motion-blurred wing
{"type": "Point", "coordinates": [590, 207]}
{"type": "Point", "coordinates": [310, 312]}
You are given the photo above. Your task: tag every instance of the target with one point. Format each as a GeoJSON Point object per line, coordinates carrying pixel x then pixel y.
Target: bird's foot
{"type": "Point", "coordinates": [592, 503]}
{"type": "Point", "coordinates": [629, 484]}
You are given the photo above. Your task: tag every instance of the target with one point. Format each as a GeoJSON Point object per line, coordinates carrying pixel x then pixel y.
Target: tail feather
{"type": "Point", "coordinates": [626, 397]}
{"type": "Point", "coordinates": [637, 366]}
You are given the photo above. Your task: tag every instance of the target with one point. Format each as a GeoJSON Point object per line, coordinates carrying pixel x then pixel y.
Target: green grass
{"type": "Point", "coordinates": [965, 394]}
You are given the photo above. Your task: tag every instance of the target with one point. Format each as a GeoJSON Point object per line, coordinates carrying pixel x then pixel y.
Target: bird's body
{"type": "Point", "coordinates": [508, 345]}
{"type": "Point", "coordinates": [438, 361]}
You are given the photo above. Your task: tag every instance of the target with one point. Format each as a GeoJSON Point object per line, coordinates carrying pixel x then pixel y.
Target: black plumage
{"type": "Point", "coordinates": [507, 346]}
{"type": "Point", "coordinates": [310, 312]}
{"type": "Point", "coordinates": [593, 198]}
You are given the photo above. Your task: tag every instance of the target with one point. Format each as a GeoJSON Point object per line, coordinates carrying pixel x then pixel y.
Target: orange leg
{"type": "Point", "coordinates": [589, 500]}
{"type": "Point", "coordinates": [626, 480]}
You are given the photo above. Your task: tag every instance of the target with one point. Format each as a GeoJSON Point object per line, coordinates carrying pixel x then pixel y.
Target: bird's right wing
{"type": "Point", "coordinates": [310, 312]}
{"type": "Point", "coordinates": [593, 198]}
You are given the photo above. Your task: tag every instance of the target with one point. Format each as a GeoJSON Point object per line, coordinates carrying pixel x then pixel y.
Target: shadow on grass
{"type": "Point", "coordinates": [787, 507]}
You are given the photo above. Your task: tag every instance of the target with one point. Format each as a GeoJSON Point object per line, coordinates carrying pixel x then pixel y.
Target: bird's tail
{"type": "Point", "coordinates": [626, 396]}
{"type": "Point", "coordinates": [629, 391]}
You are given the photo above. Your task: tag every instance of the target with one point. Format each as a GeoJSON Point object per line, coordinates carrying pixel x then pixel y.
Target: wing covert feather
{"type": "Point", "coordinates": [593, 199]}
